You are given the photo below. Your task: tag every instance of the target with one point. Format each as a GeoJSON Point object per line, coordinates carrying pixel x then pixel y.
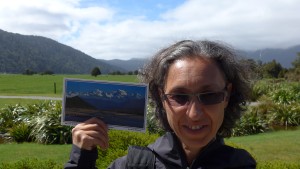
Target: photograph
{"type": "Point", "coordinates": [120, 105]}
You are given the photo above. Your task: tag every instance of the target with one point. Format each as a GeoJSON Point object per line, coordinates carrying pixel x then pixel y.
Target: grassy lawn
{"type": "Point", "coordinates": [273, 146]}
{"type": "Point", "coordinates": [43, 85]}
{"type": "Point", "coordinates": [15, 152]}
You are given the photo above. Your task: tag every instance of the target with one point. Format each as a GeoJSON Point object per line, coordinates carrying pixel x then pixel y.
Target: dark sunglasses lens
{"type": "Point", "coordinates": [211, 98]}
{"type": "Point", "coordinates": [177, 99]}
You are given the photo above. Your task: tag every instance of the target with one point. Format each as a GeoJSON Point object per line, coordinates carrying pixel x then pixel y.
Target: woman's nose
{"type": "Point", "coordinates": [195, 109]}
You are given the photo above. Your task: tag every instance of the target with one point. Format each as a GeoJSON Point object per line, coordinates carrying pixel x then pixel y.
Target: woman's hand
{"type": "Point", "coordinates": [90, 134]}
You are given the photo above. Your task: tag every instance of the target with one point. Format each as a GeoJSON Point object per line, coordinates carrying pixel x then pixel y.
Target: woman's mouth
{"type": "Point", "coordinates": [196, 127]}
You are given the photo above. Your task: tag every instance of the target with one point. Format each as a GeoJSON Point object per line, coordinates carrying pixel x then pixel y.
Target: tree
{"type": "Point", "coordinates": [272, 69]}
{"type": "Point", "coordinates": [96, 71]}
{"type": "Point", "coordinates": [296, 62]}
{"type": "Point", "coordinates": [294, 73]}
{"type": "Point", "coordinates": [254, 67]}
{"type": "Point", "coordinates": [29, 72]}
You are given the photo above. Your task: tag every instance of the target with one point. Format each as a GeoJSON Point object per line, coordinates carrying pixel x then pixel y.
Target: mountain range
{"type": "Point", "coordinates": [19, 53]}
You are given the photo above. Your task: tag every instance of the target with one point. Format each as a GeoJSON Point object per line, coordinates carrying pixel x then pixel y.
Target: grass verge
{"type": "Point", "coordinates": [272, 146]}
{"type": "Point", "coordinates": [43, 85]}
{"type": "Point", "coordinates": [11, 153]}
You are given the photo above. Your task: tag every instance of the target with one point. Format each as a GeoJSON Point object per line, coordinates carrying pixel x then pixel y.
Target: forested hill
{"type": "Point", "coordinates": [19, 53]}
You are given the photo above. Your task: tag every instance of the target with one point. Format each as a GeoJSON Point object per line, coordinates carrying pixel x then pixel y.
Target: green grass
{"type": "Point", "coordinates": [43, 85]}
{"type": "Point", "coordinates": [15, 152]}
{"type": "Point", "coordinates": [273, 146]}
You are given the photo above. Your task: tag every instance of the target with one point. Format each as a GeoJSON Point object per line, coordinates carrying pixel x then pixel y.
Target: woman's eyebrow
{"type": "Point", "coordinates": [201, 89]}
{"type": "Point", "coordinates": [178, 89]}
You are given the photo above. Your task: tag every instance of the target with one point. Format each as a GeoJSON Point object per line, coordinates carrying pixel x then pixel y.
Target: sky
{"type": "Point", "coordinates": [125, 29]}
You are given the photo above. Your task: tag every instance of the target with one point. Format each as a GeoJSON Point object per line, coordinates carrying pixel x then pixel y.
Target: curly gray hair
{"type": "Point", "coordinates": [155, 73]}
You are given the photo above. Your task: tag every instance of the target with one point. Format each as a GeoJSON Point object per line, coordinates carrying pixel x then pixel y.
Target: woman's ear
{"type": "Point", "coordinates": [228, 93]}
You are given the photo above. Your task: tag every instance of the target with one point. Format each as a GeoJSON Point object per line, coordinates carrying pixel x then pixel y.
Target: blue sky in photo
{"type": "Point", "coordinates": [90, 86]}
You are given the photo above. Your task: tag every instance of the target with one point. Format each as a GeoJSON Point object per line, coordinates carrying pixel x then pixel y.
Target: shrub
{"type": "Point", "coordinates": [285, 95]}
{"type": "Point", "coordinates": [10, 116]}
{"type": "Point", "coordinates": [41, 120]}
{"type": "Point", "coordinates": [277, 165]}
{"type": "Point", "coordinates": [119, 142]}
{"type": "Point", "coordinates": [46, 127]}
{"type": "Point", "coordinates": [285, 115]}
{"type": "Point", "coordinates": [20, 133]}
{"type": "Point", "coordinates": [153, 126]}
{"type": "Point", "coordinates": [31, 164]}
{"type": "Point", "coordinates": [252, 122]}
{"type": "Point", "coordinates": [259, 89]}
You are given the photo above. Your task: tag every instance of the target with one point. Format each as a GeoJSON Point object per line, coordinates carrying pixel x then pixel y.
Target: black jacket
{"type": "Point", "coordinates": [169, 155]}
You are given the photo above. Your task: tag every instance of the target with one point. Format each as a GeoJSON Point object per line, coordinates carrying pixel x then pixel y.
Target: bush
{"type": "Point", "coordinates": [285, 95]}
{"type": "Point", "coordinates": [119, 142]}
{"type": "Point", "coordinates": [10, 116]}
{"type": "Point", "coordinates": [41, 120]}
{"type": "Point", "coordinates": [20, 133]}
{"type": "Point", "coordinates": [284, 115]}
{"type": "Point", "coordinates": [153, 126]}
{"type": "Point", "coordinates": [31, 164]}
{"type": "Point", "coordinates": [259, 89]}
{"type": "Point", "coordinates": [278, 107]}
{"type": "Point", "coordinates": [47, 128]}
{"type": "Point", "coordinates": [252, 122]}
{"type": "Point", "coordinates": [277, 165]}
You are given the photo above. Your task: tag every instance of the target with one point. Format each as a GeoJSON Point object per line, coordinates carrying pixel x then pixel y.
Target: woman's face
{"type": "Point", "coordinates": [195, 123]}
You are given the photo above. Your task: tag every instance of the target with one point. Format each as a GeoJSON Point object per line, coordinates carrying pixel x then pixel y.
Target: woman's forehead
{"type": "Point", "coordinates": [190, 72]}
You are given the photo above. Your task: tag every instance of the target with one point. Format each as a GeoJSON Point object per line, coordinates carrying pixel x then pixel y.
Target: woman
{"type": "Point", "coordinates": [198, 88]}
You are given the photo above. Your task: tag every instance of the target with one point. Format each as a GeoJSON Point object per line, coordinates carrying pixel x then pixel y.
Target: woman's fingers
{"type": "Point", "coordinates": [90, 134]}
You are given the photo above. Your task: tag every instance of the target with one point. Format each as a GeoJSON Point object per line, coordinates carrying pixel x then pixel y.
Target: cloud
{"type": "Point", "coordinates": [247, 25]}
{"type": "Point", "coordinates": [106, 32]}
{"type": "Point", "coordinates": [57, 19]}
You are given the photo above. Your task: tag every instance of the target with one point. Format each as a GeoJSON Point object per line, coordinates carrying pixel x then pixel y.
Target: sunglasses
{"type": "Point", "coordinates": [210, 98]}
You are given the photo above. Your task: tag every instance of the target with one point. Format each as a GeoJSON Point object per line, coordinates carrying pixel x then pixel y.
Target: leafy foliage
{"type": "Point", "coordinates": [21, 132]}
{"type": "Point", "coordinates": [277, 165]}
{"type": "Point", "coordinates": [250, 123]}
{"type": "Point", "coordinates": [153, 126]}
{"type": "Point", "coordinates": [31, 164]}
{"type": "Point", "coordinates": [38, 122]}
{"type": "Point", "coordinates": [119, 143]}
{"type": "Point", "coordinates": [277, 106]}
{"type": "Point", "coordinates": [296, 62]}
{"type": "Point", "coordinates": [96, 71]}
{"type": "Point", "coordinates": [272, 69]}
{"type": "Point", "coordinates": [285, 115]}
{"type": "Point", "coordinates": [10, 116]}
{"type": "Point", "coordinates": [46, 127]}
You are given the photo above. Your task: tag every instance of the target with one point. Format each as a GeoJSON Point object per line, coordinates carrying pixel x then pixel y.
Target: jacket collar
{"type": "Point", "coordinates": [168, 149]}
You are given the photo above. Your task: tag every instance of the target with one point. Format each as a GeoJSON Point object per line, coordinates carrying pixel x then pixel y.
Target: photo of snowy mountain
{"type": "Point", "coordinates": [120, 105]}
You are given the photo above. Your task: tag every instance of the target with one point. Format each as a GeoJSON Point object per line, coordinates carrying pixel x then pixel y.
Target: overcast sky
{"type": "Point", "coordinates": [124, 29]}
